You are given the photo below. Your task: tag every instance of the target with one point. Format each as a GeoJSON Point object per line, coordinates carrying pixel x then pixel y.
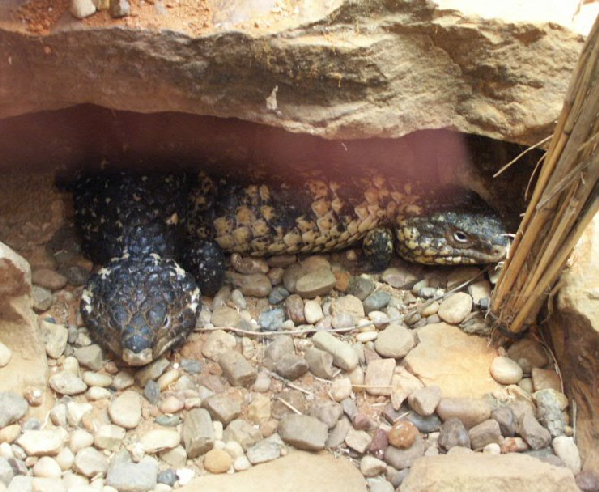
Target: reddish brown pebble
{"type": "Point", "coordinates": [342, 281]}
{"type": "Point", "coordinates": [379, 442]}
{"type": "Point", "coordinates": [361, 422]}
{"type": "Point", "coordinates": [402, 434]}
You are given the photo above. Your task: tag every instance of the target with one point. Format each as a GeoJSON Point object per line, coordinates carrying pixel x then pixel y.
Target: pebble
{"type": "Point", "coordinates": [403, 458]}
{"type": "Point", "coordinates": [217, 461]}
{"type": "Point", "coordinates": [535, 435]}
{"type": "Point", "coordinates": [237, 369]}
{"type": "Point", "coordinates": [157, 440]}
{"type": "Point", "coordinates": [513, 445]}
{"type": "Point", "coordinates": [294, 309]}
{"type": "Point", "coordinates": [66, 383]}
{"type": "Point", "coordinates": [82, 8]}
{"type": "Point", "coordinates": [97, 379]}
{"type": "Point", "coordinates": [254, 285]}
{"type": "Point", "coordinates": [452, 434]}
{"type": "Point", "coordinates": [361, 287]}
{"type": "Point", "coordinates": [47, 467]}
{"type": "Point", "coordinates": [348, 305]}
{"type": "Point", "coordinates": [316, 283]}
{"type": "Point", "coordinates": [379, 484]}
{"type": "Point", "coordinates": [588, 481]}
{"type": "Point", "coordinates": [479, 290]}
{"type": "Point", "coordinates": [90, 462]}
{"type": "Point", "coordinates": [42, 299]}
{"type": "Point", "coordinates": [138, 477]}
{"type": "Point", "coordinates": [90, 356]}
{"type": "Point", "coordinates": [272, 319]}
{"type": "Point", "coordinates": [119, 8]}
{"type": "Point", "coordinates": [313, 312]}
{"type": "Point", "coordinates": [545, 379]}
{"type": "Point", "coordinates": [49, 279]}
{"type": "Point", "coordinates": [262, 383]}
{"type": "Point", "coordinates": [394, 341]}
{"type": "Point", "coordinates": [248, 265]}
{"type": "Point", "coordinates": [6, 472]}
{"type": "Point", "coordinates": [398, 278]}
{"type": "Point", "coordinates": [291, 366]}
{"type": "Point", "coordinates": [197, 433]}
{"type": "Point", "coordinates": [528, 353]}
{"type": "Point", "coordinates": [242, 432]}
{"type": "Point", "coordinates": [125, 410]}
{"type": "Point", "coordinates": [402, 434]}
{"type": "Point", "coordinates": [263, 452]}
{"type": "Point", "coordinates": [217, 343]}
{"type": "Point", "coordinates": [358, 440]}
{"type": "Point", "coordinates": [426, 425]}
{"type": "Point", "coordinates": [424, 401]}
{"type": "Point", "coordinates": [455, 308]}
{"type": "Point", "coordinates": [470, 411]}
{"type": "Point", "coordinates": [341, 388]}
{"type": "Point", "coordinates": [224, 407]}
{"type": "Point", "coordinates": [56, 337]}
{"type": "Point", "coordinates": [506, 419]}
{"type": "Point", "coordinates": [12, 408]}
{"type": "Point", "coordinates": [506, 371]}
{"type": "Point", "coordinates": [379, 373]}
{"type": "Point", "coordinates": [303, 432]}
{"type": "Point", "coordinates": [320, 363]}
{"type": "Point", "coordinates": [224, 316]}
{"type": "Point", "coordinates": [42, 442]}
{"type": "Point", "coordinates": [80, 439]}
{"type": "Point", "coordinates": [108, 437]}
{"type": "Point", "coordinates": [485, 433]}
{"type": "Point", "coordinates": [122, 381]}
{"type": "Point", "coordinates": [76, 411]}
{"type": "Point", "coordinates": [65, 459]}
{"type": "Point", "coordinates": [278, 295]}
{"type": "Point", "coordinates": [167, 477]}
{"type": "Point", "coordinates": [343, 354]}
{"type": "Point", "coordinates": [376, 301]}
{"type": "Point", "coordinates": [10, 433]}
{"type": "Point", "coordinates": [326, 411]}
{"type": "Point", "coordinates": [565, 448]}
{"type": "Point", "coordinates": [550, 404]}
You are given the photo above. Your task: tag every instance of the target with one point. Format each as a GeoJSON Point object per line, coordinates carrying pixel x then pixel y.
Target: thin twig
{"type": "Point", "coordinates": [520, 155]}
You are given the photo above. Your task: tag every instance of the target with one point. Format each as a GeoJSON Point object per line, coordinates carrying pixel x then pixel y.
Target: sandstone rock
{"type": "Point", "coordinates": [325, 473]}
{"type": "Point", "coordinates": [476, 472]}
{"type": "Point", "coordinates": [217, 461]}
{"type": "Point", "coordinates": [574, 332]}
{"type": "Point", "coordinates": [19, 328]}
{"type": "Point", "coordinates": [456, 362]}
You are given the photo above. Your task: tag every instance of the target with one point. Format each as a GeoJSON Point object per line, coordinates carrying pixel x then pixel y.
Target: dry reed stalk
{"type": "Point", "coordinates": [565, 199]}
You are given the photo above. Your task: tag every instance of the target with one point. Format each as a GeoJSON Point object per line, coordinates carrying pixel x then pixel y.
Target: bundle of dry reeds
{"type": "Point", "coordinates": [564, 201]}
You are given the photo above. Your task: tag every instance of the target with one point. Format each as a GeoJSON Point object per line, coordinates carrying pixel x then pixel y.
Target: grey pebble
{"type": "Point", "coordinates": [152, 392]}
{"type": "Point", "coordinates": [168, 476]}
{"type": "Point", "coordinates": [326, 411]}
{"type": "Point", "coordinates": [263, 451]}
{"type": "Point", "coordinates": [303, 432]}
{"type": "Point", "coordinates": [197, 433]}
{"type": "Point", "coordinates": [168, 420]}
{"type": "Point", "coordinates": [291, 366]}
{"type": "Point", "coordinates": [278, 295]}
{"type": "Point", "coordinates": [272, 319]}
{"type": "Point", "coordinates": [320, 363]}
{"type": "Point", "coordinates": [361, 287]}
{"type": "Point", "coordinates": [224, 407]}
{"type": "Point", "coordinates": [191, 366]}
{"type": "Point", "coordinates": [485, 433]}
{"type": "Point", "coordinates": [242, 432]}
{"type": "Point", "coordinates": [452, 434]}
{"type": "Point", "coordinates": [236, 369]}
{"type": "Point", "coordinates": [535, 435]}
{"type": "Point", "coordinates": [139, 477]}
{"type": "Point", "coordinates": [376, 301]}
{"type": "Point", "coordinates": [404, 458]}
{"type": "Point", "coordinates": [506, 419]}
{"type": "Point", "coordinates": [12, 408]}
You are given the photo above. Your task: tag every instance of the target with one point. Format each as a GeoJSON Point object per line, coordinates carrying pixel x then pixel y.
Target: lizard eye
{"type": "Point", "coordinates": [460, 237]}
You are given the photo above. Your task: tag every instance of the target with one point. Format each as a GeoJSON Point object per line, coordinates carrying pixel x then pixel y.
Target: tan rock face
{"type": "Point", "coordinates": [574, 331]}
{"type": "Point", "coordinates": [407, 66]}
{"type": "Point", "coordinates": [19, 330]}
{"type": "Point", "coordinates": [477, 471]}
{"type": "Point", "coordinates": [326, 473]}
{"type": "Point", "coordinates": [457, 363]}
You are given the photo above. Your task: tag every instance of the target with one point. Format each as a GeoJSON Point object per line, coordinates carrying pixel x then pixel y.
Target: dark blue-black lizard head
{"type": "Point", "coordinates": [139, 307]}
